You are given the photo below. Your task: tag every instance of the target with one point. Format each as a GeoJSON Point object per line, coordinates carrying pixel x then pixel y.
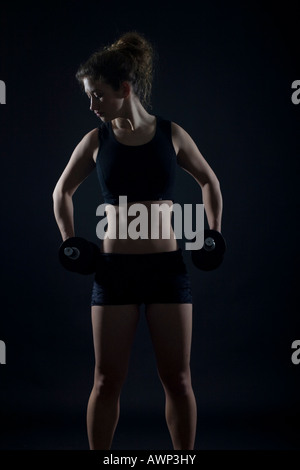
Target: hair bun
{"type": "Point", "coordinates": [132, 42]}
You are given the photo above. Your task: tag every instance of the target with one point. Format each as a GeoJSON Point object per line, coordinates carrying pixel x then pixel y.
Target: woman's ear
{"type": "Point", "coordinates": [125, 89]}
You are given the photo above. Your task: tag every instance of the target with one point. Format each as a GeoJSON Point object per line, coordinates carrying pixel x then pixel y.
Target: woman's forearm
{"type": "Point", "coordinates": [64, 214]}
{"type": "Point", "coordinates": [213, 204]}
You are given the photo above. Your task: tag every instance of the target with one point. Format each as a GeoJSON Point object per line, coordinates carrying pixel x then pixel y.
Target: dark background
{"type": "Point", "coordinates": [224, 73]}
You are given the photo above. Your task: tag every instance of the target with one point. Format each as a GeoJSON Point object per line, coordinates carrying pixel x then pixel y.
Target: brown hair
{"type": "Point", "coordinates": [130, 59]}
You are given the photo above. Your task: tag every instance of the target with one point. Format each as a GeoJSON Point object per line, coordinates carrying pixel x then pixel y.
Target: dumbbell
{"type": "Point", "coordinates": [212, 253]}
{"type": "Point", "coordinates": [78, 255]}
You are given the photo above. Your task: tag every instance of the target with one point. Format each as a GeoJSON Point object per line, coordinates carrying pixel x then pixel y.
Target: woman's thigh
{"type": "Point", "coordinates": [114, 327]}
{"type": "Point", "coordinates": [170, 327]}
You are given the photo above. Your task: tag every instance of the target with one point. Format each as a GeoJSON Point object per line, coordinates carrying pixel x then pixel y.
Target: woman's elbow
{"type": "Point", "coordinates": [216, 188]}
{"type": "Point", "coordinates": [57, 193]}
{"type": "Point", "coordinates": [212, 182]}
{"type": "Point", "coordinates": [61, 192]}
{"type": "Point", "coordinates": [216, 184]}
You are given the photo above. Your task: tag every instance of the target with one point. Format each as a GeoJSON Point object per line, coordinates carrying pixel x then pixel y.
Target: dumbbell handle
{"type": "Point", "coordinates": [72, 252]}
{"type": "Point", "coordinates": [209, 244]}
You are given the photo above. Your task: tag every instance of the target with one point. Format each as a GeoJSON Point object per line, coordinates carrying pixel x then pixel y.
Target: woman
{"type": "Point", "coordinates": [135, 154]}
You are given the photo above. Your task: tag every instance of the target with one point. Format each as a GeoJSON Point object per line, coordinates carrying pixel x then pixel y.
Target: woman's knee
{"type": "Point", "coordinates": [176, 383]}
{"type": "Point", "coordinates": [108, 383]}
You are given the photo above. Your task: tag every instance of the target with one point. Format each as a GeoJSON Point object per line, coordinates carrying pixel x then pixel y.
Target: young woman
{"type": "Point", "coordinates": [135, 154]}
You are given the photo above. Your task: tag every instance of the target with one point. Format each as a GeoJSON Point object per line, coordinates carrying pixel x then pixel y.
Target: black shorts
{"type": "Point", "coordinates": [141, 278]}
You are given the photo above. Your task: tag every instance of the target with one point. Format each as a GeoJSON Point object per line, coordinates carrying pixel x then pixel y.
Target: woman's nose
{"type": "Point", "coordinates": [93, 103]}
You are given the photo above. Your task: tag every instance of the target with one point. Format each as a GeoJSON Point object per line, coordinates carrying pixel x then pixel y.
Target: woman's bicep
{"type": "Point", "coordinates": [189, 156]}
{"type": "Point", "coordinates": [80, 165]}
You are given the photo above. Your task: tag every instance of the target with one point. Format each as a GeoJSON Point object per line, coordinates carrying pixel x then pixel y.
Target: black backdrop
{"type": "Point", "coordinates": [224, 74]}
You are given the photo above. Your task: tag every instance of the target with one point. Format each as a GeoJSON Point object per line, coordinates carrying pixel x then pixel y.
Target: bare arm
{"type": "Point", "coordinates": [192, 161]}
{"type": "Point", "coordinates": [80, 165]}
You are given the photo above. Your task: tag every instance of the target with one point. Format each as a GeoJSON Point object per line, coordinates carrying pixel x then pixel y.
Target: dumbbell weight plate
{"type": "Point", "coordinates": [211, 254]}
{"type": "Point", "coordinates": [78, 255]}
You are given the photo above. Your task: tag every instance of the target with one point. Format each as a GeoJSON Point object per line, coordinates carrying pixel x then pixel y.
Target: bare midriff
{"type": "Point", "coordinates": [157, 234]}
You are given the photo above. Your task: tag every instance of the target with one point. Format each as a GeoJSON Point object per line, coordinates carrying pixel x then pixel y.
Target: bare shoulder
{"type": "Point", "coordinates": [89, 144]}
{"type": "Point", "coordinates": [189, 156]}
{"type": "Point", "coordinates": [177, 130]}
{"type": "Point", "coordinates": [81, 163]}
{"type": "Point", "coordinates": [182, 141]}
{"type": "Point", "coordinates": [178, 134]}
{"type": "Point", "coordinates": [92, 135]}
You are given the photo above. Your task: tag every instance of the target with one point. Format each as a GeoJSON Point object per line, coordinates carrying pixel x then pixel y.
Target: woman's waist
{"type": "Point", "coordinates": [139, 245]}
{"type": "Point", "coordinates": [128, 264]}
{"type": "Point", "coordinates": [143, 227]}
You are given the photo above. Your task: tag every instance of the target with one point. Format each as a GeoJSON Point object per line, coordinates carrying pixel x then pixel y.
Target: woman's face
{"type": "Point", "coordinates": [105, 102]}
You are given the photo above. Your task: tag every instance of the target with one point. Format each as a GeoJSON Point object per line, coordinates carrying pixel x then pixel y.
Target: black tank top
{"type": "Point", "coordinates": [143, 172]}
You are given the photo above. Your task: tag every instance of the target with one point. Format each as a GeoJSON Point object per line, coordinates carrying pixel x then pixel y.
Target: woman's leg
{"type": "Point", "coordinates": [170, 327]}
{"type": "Point", "coordinates": [113, 332]}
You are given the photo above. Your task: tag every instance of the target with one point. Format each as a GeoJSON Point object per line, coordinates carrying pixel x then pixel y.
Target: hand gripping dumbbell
{"type": "Point", "coordinates": [212, 253]}
{"type": "Point", "coordinates": [79, 255]}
